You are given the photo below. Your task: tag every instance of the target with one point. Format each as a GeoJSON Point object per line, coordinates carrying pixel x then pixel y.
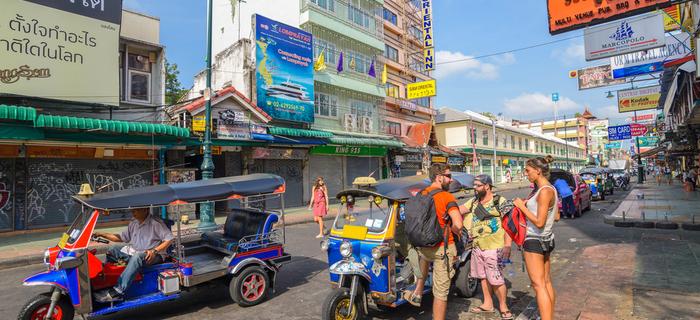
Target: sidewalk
{"type": "Point", "coordinates": [28, 248]}
{"type": "Point", "coordinates": [659, 203]}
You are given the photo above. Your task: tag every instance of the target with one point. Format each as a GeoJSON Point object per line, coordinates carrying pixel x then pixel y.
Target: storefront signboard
{"type": "Point", "coordinates": [421, 89]}
{"type": "Point", "coordinates": [623, 132]}
{"type": "Point", "coordinates": [624, 36]}
{"type": "Point", "coordinates": [279, 153]}
{"type": "Point", "coordinates": [349, 151]}
{"type": "Point", "coordinates": [565, 15]}
{"type": "Point", "coordinates": [439, 159]}
{"type": "Point", "coordinates": [596, 77]}
{"type": "Point", "coordinates": [455, 161]}
{"type": "Point", "coordinates": [428, 41]}
{"type": "Point", "coordinates": [638, 99]}
{"type": "Point", "coordinates": [676, 51]}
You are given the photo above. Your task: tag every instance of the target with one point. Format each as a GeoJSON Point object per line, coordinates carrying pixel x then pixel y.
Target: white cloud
{"type": "Point", "coordinates": [574, 53]}
{"type": "Point", "coordinates": [505, 59]}
{"type": "Point", "coordinates": [466, 65]}
{"type": "Point", "coordinates": [539, 105]}
{"type": "Point", "coordinates": [610, 112]}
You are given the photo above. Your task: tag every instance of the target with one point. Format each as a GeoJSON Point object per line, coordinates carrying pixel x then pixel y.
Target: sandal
{"type": "Point", "coordinates": [480, 309]}
{"type": "Point", "coordinates": [506, 315]}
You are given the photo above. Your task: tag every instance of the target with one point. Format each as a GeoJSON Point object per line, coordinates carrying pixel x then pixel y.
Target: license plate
{"type": "Point", "coordinates": [63, 241]}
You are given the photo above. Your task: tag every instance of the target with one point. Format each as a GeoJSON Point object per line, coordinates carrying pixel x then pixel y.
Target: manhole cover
{"type": "Point", "coordinates": [653, 304]}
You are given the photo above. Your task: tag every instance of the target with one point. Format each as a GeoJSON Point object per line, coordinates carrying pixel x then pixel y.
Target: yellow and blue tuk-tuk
{"type": "Point", "coordinates": [367, 267]}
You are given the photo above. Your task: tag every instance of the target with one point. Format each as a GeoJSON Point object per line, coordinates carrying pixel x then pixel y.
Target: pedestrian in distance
{"type": "Point", "coordinates": [443, 255]}
{"type": "Point", "coordinates": [541, 212]}
{"type": "Point", "coordinates": [667, 173]}
{"type": "Point", "coordinates": [567, 198]}
{"type": "Point", "coordinates": [491, 246]}
{"type": "Point", "coordinates": [319, 203]}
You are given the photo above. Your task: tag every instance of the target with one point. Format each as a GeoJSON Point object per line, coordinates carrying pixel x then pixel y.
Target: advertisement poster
{"type": "Point", "coordinates": [676, 51]}
{"type": "Point", "coordinates": [421, 89]}
{"type": "Point", "coordinates": [233, 125]}
{"type": "Point", "coordinates": [638, 99]}
{"type": "Point", "coordinates": [44, 44]}
{"type": "Point", "coordinates": [571, 15]}
{"type": "Point", "coordinates": [624, 36]}
{"type": "Point", "coordinates": [598, 131]}
{"type": "Point", "coordinates": [596, 77]}
{"type": "Point", "coordinates": [284, 74]}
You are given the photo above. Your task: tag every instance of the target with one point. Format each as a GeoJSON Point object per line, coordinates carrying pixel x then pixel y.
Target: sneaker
{"type": "Point", "coordinates": [108, 295]}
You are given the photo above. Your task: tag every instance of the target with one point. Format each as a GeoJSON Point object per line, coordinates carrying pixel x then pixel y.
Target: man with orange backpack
{"type": "Point", "coordinates": [491, 244]}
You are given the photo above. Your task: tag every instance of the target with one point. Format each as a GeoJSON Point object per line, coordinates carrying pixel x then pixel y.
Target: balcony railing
{"type": "Point", "coordinates": [350, 15]}
{"type": "Point", "coordinates": [361, 70]}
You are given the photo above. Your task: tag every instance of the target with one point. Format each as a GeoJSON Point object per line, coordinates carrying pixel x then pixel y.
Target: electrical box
{"type": "Point", "coordinates": [169, 282]}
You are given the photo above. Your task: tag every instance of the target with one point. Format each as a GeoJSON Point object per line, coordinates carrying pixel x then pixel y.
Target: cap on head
{"type": "Point", "coordinates": [485, 179]}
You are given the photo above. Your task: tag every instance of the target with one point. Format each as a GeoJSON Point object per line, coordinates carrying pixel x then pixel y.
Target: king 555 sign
{"type": "Point", "coordinates": [624, 36]}
{"type": "Point", "coordinates": [61, 49]}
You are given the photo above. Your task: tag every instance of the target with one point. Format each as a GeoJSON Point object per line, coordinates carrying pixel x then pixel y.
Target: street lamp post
{"type": "Point", "coordinates": [493, 165]}
{"type": "Point", "coordinates": [206, 212]}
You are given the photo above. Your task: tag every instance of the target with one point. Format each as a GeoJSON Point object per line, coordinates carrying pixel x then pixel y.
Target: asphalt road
{"type": "Point", "coordinates": [304, 283]}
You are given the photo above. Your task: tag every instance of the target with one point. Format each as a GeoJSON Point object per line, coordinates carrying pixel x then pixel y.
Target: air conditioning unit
{"type": "Point", "coordinates": [350, 122]}
{"type": "Point", "coordinates": [367, 124]}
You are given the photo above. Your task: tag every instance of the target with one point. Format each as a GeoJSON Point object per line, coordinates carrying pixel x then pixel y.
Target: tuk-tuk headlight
{"type": "Point", "coordinates": [346, 249]}
{"type": "Point", "coordinates": [324, 245]}
{"type": "Point", "coordinates": [378, 200]}
{"type": "Point", "coordinates": [343, 199]}
{"type": "Point", "coordinates": [379, 252]}
{"type": "Point", "coordinates": [47, 256]}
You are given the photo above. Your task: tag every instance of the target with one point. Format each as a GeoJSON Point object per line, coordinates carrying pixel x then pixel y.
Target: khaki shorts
{"type": "Point", "coordinates": [442, 279]}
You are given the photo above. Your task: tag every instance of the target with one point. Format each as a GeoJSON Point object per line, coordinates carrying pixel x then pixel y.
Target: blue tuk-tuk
{"type": "Point", "coordinates": [248, 252]}
{"type": "Point", "coordinates": [366, 267]}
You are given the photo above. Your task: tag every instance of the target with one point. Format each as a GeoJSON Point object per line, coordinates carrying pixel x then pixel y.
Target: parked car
{"type": "Point", "coordinates": [581, 191]}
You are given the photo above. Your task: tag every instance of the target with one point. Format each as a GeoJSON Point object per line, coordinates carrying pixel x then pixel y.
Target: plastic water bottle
{"type": "Point", "coordinates": [507, 265]}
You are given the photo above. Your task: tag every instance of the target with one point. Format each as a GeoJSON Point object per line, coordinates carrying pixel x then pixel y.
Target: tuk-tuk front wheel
{"type": "Point", "coordinates": [250, 287]}
{"type": "Point", "coordinates": [464, 285]}
{"type": "Point", "coordinates": [38, 307]}
{"type": "Point", "coordinates": [337, 306]}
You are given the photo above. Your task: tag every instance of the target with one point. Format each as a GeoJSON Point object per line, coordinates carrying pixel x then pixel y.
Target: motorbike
{"type": "Point", "coordinates": [622, 183]}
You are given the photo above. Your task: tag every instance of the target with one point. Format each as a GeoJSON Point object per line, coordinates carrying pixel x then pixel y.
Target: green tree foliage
{"type": "Point", "coordinates": [173, 87]}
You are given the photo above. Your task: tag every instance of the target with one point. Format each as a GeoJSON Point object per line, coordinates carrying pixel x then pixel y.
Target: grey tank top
{"type": "Point", "coordinates": [546, 231]}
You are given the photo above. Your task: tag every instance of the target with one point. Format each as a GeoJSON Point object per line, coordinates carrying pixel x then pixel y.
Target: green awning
{"type": "Point", "coordinates": [115, 126]}
{"type": "Point", "coordinates": [294, 132]}
{"type": "Point", "coordinates": [353, 141]}
{"type": "Point", "coordinates": [17, 113]}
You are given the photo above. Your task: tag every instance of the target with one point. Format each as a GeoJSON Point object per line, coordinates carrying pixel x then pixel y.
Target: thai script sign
{"type": "Point", "coordinates": [638, 99]}
{"type": "Point", "coordinates": [421, 89]}
{"type": "Point", "coordinates": [596, 77]}
{"type": "Point", "coordinates": [61, 49]}
{"type": "Point", "coordinates": [428, 44]}
{"type": "Point", "coordinates": [624, 36]}
{"type": "Point", "coordinates": [284, 75]}
{"type": "Point", "coordinates": [676, 51]}
{"type": "Point", "coordinates": [567, 15]}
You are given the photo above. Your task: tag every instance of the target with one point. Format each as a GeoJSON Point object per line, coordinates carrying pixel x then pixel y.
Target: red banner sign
{"type": "Point", "coordinates": [567, 15]}
{"type": "Point", "coordinates": [638, 129]}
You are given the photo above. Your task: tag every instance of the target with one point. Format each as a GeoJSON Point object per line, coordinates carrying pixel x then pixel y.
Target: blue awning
{"type": "Point", "coordinates": [297, 140]}
{"type": "Point", "coordinates": [262, 136]}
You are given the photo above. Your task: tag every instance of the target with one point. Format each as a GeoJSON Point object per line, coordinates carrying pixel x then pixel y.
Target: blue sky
{"type": "Point", "coordinates": [517, 84]}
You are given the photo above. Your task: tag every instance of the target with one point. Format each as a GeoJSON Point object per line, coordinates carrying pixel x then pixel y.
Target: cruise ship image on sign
{"type": "Point", "coordinates": [288, 90]}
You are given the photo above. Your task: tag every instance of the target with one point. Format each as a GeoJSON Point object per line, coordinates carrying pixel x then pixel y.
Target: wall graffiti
{"type": "Point", "coordinates": [53, 182]}
{"type": "Point", "coordinates": [6, 203]}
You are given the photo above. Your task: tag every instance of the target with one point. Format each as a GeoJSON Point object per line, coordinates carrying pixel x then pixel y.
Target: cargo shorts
{"type": "Point", "coordinates": [442, 274]}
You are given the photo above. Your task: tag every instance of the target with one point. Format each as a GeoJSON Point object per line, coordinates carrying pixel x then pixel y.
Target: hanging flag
{"type": "Point", "coordinates": [371, 72]}
{"type": "Point", "coordinates": [352, 64]}
{"type": "Point", "coordinates": [385, 75]}
{"type": "Point", "coordinates": [340, 63]}
{"type": "Point", "coordinates": [320, 64]}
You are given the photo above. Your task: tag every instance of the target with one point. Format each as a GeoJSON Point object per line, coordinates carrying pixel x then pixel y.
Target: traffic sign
{"type": "Point", "coordinates": [555, 96]}
{"type": "Point", "coordinates": [638, 129]}
{"type": "Point", "coordinates": [619, 132]}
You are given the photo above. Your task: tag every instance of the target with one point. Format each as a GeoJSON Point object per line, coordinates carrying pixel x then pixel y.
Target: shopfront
{"type": "Point", "coordinates": [288, 163]}
{"type": "Point", "coordinates": [340, 165]}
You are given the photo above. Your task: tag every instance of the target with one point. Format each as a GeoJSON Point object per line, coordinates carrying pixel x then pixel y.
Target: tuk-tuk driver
{"type": "Point", "coordinates": [146, 241]}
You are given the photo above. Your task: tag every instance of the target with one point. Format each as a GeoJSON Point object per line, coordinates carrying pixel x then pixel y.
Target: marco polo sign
{"type": "Point", "coordinates": [624, 36]}
{"type": "Point", "coordinates": [61, 49]}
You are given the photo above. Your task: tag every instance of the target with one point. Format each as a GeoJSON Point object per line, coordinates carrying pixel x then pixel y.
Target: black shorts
{"type": "Point", "coordinates": [538, 246]}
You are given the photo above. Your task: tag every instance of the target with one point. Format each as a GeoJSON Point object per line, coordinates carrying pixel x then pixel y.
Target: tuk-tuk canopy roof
{"type": "Point", "coordinates": [188, 192]}
{"type": "Point", "coordinates": [404, 188]}
{"type": "Point", "coordinates": [593, 170]}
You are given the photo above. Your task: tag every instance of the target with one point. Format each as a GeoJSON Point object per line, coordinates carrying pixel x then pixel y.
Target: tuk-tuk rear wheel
{"type": "Point", "coordinates": [464, 285]}
{"type": "Point", "coordinates": [250, 286]}
{"type": "Point", "coordinates": [38, 306]}
{"type": "Point", "coordinates": [337, 305]}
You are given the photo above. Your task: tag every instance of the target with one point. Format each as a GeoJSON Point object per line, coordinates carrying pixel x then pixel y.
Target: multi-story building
{"type": "Point", "coordinates": [574, 129]}
{"type": "Point", "coordinates": [473, 133]}
{"type": "Point", "coordinates": [409, 120]}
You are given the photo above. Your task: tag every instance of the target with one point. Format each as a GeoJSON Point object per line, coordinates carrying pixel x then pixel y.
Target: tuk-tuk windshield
{"type": "Point", "coordinates": [368, 214]}
{"type": "Point", "coordinates": [588, 176]}
{"type": "Point", "coordinates": [76, 228]}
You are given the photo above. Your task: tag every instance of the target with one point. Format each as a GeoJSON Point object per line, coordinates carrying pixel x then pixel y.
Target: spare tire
{"type": "Point", "coordinates": [644, 224]}
{"type": "Point", "coordinates": [690, 226]}
{"type": "Point", "coordinates": [666, 225]}
{"type": "Point", "coordinates": [623, 224]}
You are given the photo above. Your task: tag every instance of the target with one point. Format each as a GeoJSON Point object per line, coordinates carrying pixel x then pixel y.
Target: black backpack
{"type": "Point", "coordinates": [421, 224]}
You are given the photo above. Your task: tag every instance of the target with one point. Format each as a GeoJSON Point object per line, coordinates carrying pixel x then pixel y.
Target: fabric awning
{"type": "Point", "coordinates": [652, 151]}
{"type": "Point", "coordinates": [10, 112]}
{"type": "Point", "coordinates": [114, 126]}
{"type": "Point", "coordinates": [296, 140]}
{"type": "Point", "coordinates": [355, 141]}
{"type": "Point", "coordinates": [295, 132]}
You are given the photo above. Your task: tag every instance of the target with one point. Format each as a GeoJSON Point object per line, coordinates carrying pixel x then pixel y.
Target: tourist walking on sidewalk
{"type": "Point", "coordinates": [541, 212]}
{"type": "Point", "coordinates": [491, 244]}
{"type": "Point", "coordinates": [319, 203]}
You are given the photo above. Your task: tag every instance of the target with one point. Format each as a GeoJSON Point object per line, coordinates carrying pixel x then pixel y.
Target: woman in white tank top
{"type": "Point", "coordinates": [541, 211]}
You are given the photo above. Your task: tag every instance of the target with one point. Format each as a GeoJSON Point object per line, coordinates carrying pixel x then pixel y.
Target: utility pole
{"type": "Point", "coordinates": [566, 144]}
{"type": "Point", "coordinates": [493, 164]}
{"type": "Point", "coordinates": [206, 212]}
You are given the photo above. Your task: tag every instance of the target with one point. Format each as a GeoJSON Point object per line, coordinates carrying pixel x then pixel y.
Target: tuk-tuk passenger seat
{"type": "Point", "coordinates": [240, 223]}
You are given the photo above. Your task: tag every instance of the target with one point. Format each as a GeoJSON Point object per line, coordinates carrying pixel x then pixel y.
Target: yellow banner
{"type": "Point", "coordinates": [672, 17]}
{"type": "Point", "coordinates": [421, 89]}
{"type": "Point", "coordinates": [439, 159]}
{"type": "Point", "coordinates": [66, 50]}
{"type": "Point", "coordinates": [198, 123]}
{"type": "Point", "coordinates": [638, 99]}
